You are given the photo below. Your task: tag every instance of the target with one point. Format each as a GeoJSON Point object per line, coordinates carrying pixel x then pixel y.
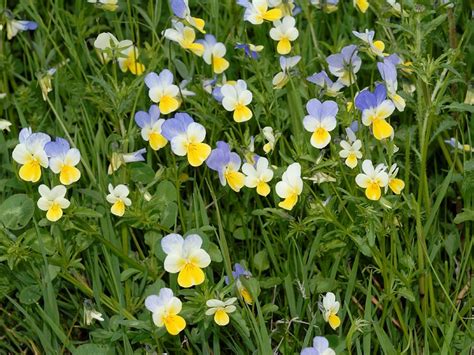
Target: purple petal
{"type": "Point", "coordinates": [314, 108]}
{"type": "Point", "coordinates": [329, 109]}
{"type": "Point", "coordinates": [142, 119]}
{"type": "Point", "coordinates": [154, 112]}
{"type": "Point", "coordinates": [365, 100]}
{"type": "Point", "coordinates": [320, 343]}
{"type": "Point", "coordinates": [57, 148]}
{"type": "Point", "coordinates": [380, 94]}
{"type": "Point", "coordinates": [320, 79]}
{"type": "Point", "coordinates": [387, 71]}
{"type": "Point", "coordinates": [235, 159]}
{"type": "Point", "coordinates": [179, 8]}
{"type": "Point", "coordinates": [166, 77]}
{"type": "Point", "coordinates": [152, 79]}
{"type": "Point", "coordinates": [24, 134]}
{"type": "Point", "coordinates": [393, 58]}
{"type": "Point", "coordinates": [175, 126]}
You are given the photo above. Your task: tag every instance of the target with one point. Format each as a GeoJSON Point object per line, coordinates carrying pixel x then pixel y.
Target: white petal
{"type": "Point", "coordinates": [172, 244]}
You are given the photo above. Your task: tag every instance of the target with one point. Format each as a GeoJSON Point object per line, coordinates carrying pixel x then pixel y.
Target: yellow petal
{"type": "Point", "coordinates": [221, 317]}
{"type": "Point", "coordinates": [320, 138]}
{"type": "Point", "coordinates": [69, 174]}
{"type": "Point", "coordinates": [381, 128]}
{"type": "Point", "coordinates": [118, 208]}
{"type": "Point", "coordinates": [289, 202]}
{"type": "Point", "coordinates": [136, 68]}
{"type": "Point", "coordinates": [190, 275]}
{"type": "Point", "coordinates": [263, 189]}
{"type": "Point", "coordinates": [196, 48]}
{"type": "Point", "coordinates": [396, 185]}
{"type": "Point", "coordinates": [199, 24]}
{"type": "Point", "coordinates": [168, 104]}
{"type": "Point", "coordinates": [235, 180]}
{"type": "Point", "coordinates": [198, 153]}
{"type": "Point", "coordinates": [351, 160]}
{"type": "Point", "coordinates": [54, 213]}
{"type": "Point", "coordinates": [379, 45]}
{"type": "Point", "coordinates": [272, 15]}
{"type": "Point", "coordinates": [31, 171]}
{"type": "Point", "coordinates": [242, 113]}
{"type": "Point", "coordinates": [219, 65]}
{"type": "Point", "coordinates": [157, 141]}
{"type": "Point", "coordinates": [373, 191]}
{"type": "Point", "coordinates": [334, 321]}
{"type": "Point", "coordinates": [174, 324]}
{"type": "Point", "coordinates": [363, 5]}
{"type": "Point", "coordinates": [246, 295]}
{"type": "Point", "coordinates": [284, 46]}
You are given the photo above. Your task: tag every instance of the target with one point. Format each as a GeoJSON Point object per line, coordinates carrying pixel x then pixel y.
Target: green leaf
{"type": "Point", "coordinates": [141, 172]}
{"type": "Point", "coordinates": [260, 260]}
{"type": "Point", "coordinates": [214, 253]}
{"type": "Point", "coordinates": [30, 294]}
{"type": "Point", "coordinates": [169, 215]}
{"type": "Point", "coordinates": [16, 211]}
{"type": "Point", "coordinates": [465, 215]}
{"type": "Point", "coordinates": [88, 349]}
{"type": "Point", "coordinates": [166, 191]}
{"type": "Point", "coordinates": [460, 107]}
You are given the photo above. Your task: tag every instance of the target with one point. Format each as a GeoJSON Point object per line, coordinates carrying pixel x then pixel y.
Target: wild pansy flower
{"type": "Point", "coordinates": [128, 58]}
{"type": "Point", "coordinates": [214, 53]}
{"type": "Point", "coordinates": [108, 5]}
{"type": "Point", "coordinates": [165, 309]}
{"type": "Point", "coordinates": [322, 79]}
{"type": "Point", "coordinates": [186, 257]}
{"type": "Point", "coordinates": [258, 11]}
{"type": "Point", "coordinates": [63, 160]}
{"type": "Point", "coordinates": [285, 32]}
{"type": "Point", "coordinates": [327, 6]}
{"type": "Point", "coordinates": [345, 65]}
{"type": "Point", "coordinates": [258, 176]}
{"type": "Point", "coordinates": [181, 10]}
{"type": "Point", "coordinates": [30, 154]}
{"type": "Point", "coordinates": [388, 72]}
{"type": "Point", "coordinates": [375, 109]}
{"type": "Point", "coordinates": [320, 121]}
{"type": "Point", "coordinates": [395, 6]}
{"type": "Point", "coordinates": [186, 138]}
{"type": "Point", "coordinates": [15, 26]}
{"type": "Point", "coordinates": [320, 347]}
{"type": "Point", "coordinates": [375, 47]}
{"type": "Point", "coordinates": [396, 185]}
{"type": "Point", "coordinates": [270, 137]}
{"type": "Point", "coordinates": [250, 50]}
{"type": "Point", "coordinates": [235, 99]}
{"type": "Point", "coordinates": [287, 7]}
{"type": "Point", "coordinates": [290, 186]}
{"type": "Point", "coordinates": [227, 164]}
{"type": "Point", "coordinates": [45, 84]}
{"type": "Point", "coordinates": [286, 64]}
{"type": "Point", "coordinates": [53, 201]}
{"type": "Point", "coordinates": [238, 273]}
{"type": "Point", "coordinates": [5, 125]}
{"type": "Point", "coordinates": [118, 197]}
{"type": "Point", "coordinates": [453, 142]}
{"type": "Point", "coordinates": [361, 5]}
{"type": "Point", "coordinates": [106, 43]}
{"type": "Point", "coordinates": [221, 310]}
{"type": "Point", "coordinates": [330, 307]}
{"type": "Point", "coordinates": [150, 124]}
{"type": "Point", "coordinates": [351, 149]}
{"type": "Point", "coordinates": [90, 314]}
{"type": "Point", "coordinates": [372, 179]}
{"type": "Point", "coordinates": [119, 159]}
{"type": "Point", "coordinates": [185, 37]}
{"type": "Point", "coordinates": [163, 91]}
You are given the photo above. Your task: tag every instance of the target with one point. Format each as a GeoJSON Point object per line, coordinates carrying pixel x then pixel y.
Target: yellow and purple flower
{"type": "Point", "coordinates": [162, 91]}
{"type": "Point", "coordinates": [227, 165]}
{"type": "Point", "coordinates": [63, 160]}
{"type": "Point", "coordinates": [165, 309]}
{"type": "Point", "coordinates": [214, 53]}
{"type": "Point", "coordinates": [320, 121]}
{"type": "Point", "coordinates": [150, 124]}
{"type": "Point", "coordinates": [258, 11]}
{"type": "Point", "coordinates": [345, 65]}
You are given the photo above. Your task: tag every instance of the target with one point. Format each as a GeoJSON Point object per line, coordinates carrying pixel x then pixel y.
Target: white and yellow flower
{"type": "Point", "coordinates": [221, 310]}
{"type": "Point", "coordinates": [351, 149]}
{"type": "Point", "coordinates": [214, 53]}
{"type": "Point", "coordinates": [186, 257]}
{"type": "Point", "coordinates": [181, 10]}
{"type": "Point", "coordinates": [235, 99]}
{"type": "Point", "coordinates": [271, 139]}
{"type": "Point", "coordinates": [53, 201]}
{"type": "Point", "coordinates": [30, 154]}
{"type": "Point", "coordinates": [286, 65]}
{"type": "Point", "coordinates": [375, 47]}
{"type": "Point", "coordinates": [285, 32]}
{"type": "Point", "coordinates": [128, 58]}
{"type": "Point", "coordinates": [162, 91]}
{"type": "Point", "coordinates": [185, 36]}
{"type": "Point", "coordinates": [108, 5]}
{"type": "Point", "coordinates": [330, 307]}
{"type": "Point", "coordinates": [258, 176]}
{"type": "Point", "coordinates": [118, 197]}
{"type": "Point", "coordinates": [372, 179]}
{"type": "Point", "coordinates": [396, 185]}
{"type": "Point", "coordinates": [286, 6]}
{"type": "Point", "coordinates": [165, 309]}
{"type": "Point", "coordinates": [290, 186]}
{"type": "Point", "coordinates": [258, 11]}
{"type": "Point", "coordinates": [320, 121]}
{"type": "Point", "coordinates": [63, 160]}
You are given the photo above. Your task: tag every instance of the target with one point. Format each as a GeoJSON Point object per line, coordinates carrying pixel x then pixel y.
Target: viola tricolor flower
{"type": "Point", "coordinates": [250, 50]}
{"type": "Point", "coordinates": [186, 138]}
{"type": "Point", "coordinates": [221, 310]}
{"type": "Point", "coordinates": [322, 79]}
{"type": "Point", "coordinates": [396, 185]}
{"type": "Point", "coordinates": [388, 72]}
{"type": "Point", "coordinates": [5, 125]}
{"type": "Point", "coordinates": [53, 201]}
{"type": "Point", "coordinates": [270, 137]}
{"type": "Point", "coordinates": [327, 6]}
{"type": "Point", "coordinates": [453, 142]}
{"type": "Point", "coordinates": [372, 179]}
{"type": "Point", "coordinates": [361, 5]}
{"type": "Point", "coordinates": [165, 309]}
{"type": "Point", "coordinates": [286, 64]}
{"type": "Point", "coordinates": [128, 58]}
{"type": "Point", "coordinates": [285, 32]}
{"type": "Point", "coordinates": [375, 47]}
{"type": "Point", "coordinates": [214, 53]}
{"type": "Point", "coordinates": [236, 98]}
{"type": "Point", "coordinates": [258, 11]}
{"type": "Point", "coordinates": [320, 121]}
{"type": "Point", "coordinates": [320, 347]}
{"type": "Point", "coordinates": [258, 176]}
{"type": "Point", "coordinates": [44, 81]}
{"type": "Point", "coordinates": [351, 149]}
{"type": "Point", "coordinates": [163, 91]}
{"type": "Point", "coordinates": [15, 26]}
{"type": "Point", "coordinates": [345, 65]}
{"type": "Point", "coordinates": [108, 5]}
{"type": "Point", "coordinates": [186, 257]}
{"type": "Point", "coordinates": [118, 197]}
{"type": "Point", "coordinates": [119, 159]}
{"type": "Point", "coordinates": [227, 164]}
{"type": "Point", "coordinates": [290, 186]}
{"type": "Point", "coordinates": [375, 109]}
{"type": "Point", "coordinates": [150, 124]}
{"type": "Point", "coordinates": [185, 36]}
{"type": "Point", "coordinates": [30, 154]}
{"type": "Point", "coordinates": [238, 273]}
{"type": "Point", "coordinates": [330, 307]}
{"type": "Point", "coordinates": [106, 44]}
{"type": "Point", "coordinates": [181, 10]}
{"type": "Point", "coordinates": [63, 160]}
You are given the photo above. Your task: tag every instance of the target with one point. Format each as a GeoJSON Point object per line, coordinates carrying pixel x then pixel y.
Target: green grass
{"type": "Point", "coordinates": [401, 267]}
